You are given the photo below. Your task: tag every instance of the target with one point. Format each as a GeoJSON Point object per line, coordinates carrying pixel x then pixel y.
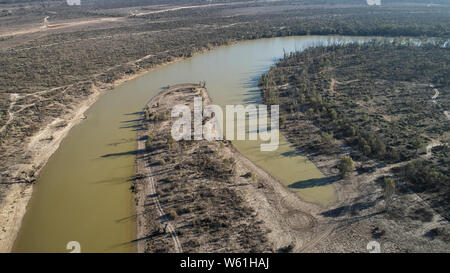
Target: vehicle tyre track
{"type": "Point", "coordinates": [150, 190]}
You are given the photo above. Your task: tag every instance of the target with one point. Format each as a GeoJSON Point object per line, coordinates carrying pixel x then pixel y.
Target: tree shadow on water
{"type": "Point", "coordinates": [292, 153]}
{"type": "Point", "coordinates": [254, 98]}
{"type": "Point", "coordinates": [314, 182]}
{"type": "Point", "coordinates": [134, 152]}
{"type": "Point", "coordinates": [113, 180]}
{"type": "Point", "coordinates": [131, 126]}
{"type": "Point", "coordinates": [153, 235]}
{"type": "Point", "coordinates": [135, 113]}
{"type": "Point", "coordinates": [131, 120]}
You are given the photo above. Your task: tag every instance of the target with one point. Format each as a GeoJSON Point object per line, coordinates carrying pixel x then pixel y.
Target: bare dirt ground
{"type": "Point", "coordinates": [447, 115]}
{"type": "Point", "coordinates": [181, 8]}
{"type": "Point", "coordinates": [434, 99]}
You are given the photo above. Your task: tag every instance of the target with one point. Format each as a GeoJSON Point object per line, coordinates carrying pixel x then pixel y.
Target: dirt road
{"type": "Point", "coordinates": [62, 25]}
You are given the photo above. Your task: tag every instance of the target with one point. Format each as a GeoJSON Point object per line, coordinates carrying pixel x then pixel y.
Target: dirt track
{"type": "Point", "coordinates": [62, 25]}
{"type": "Point", "coordinates": [180, 8]}
{"type": "Point", "coordinates": [150, 190]}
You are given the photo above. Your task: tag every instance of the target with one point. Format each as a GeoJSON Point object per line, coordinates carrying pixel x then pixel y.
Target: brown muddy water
{"type": "Point", "coordinates": [83, 192]}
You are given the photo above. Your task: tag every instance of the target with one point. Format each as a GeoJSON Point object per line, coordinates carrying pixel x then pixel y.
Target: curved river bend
{"type": "Point", "coordinates": [83, 192]}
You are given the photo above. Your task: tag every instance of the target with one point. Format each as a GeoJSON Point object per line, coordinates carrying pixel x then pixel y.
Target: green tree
{"type": "Point", "coordinates": [148, 142]}
{"type": "Point", "coordinates": [417, 143]}
{"type": "Point", "coordinates": [389, 191]}
{"type": "Point", "coordinates": [333, 114]}
{"type": "Point", "coordinates": [170, 141]}
{"type": "Point", "coordinates": [346, 166]}
{"type": "Point", "coordinates": [327, 140]}
{"type": "Point", "coordinates": [282, 121]}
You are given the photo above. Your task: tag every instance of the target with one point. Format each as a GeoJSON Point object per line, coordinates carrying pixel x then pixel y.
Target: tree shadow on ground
{"type": "Point", "coordinates": [348, 209]}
